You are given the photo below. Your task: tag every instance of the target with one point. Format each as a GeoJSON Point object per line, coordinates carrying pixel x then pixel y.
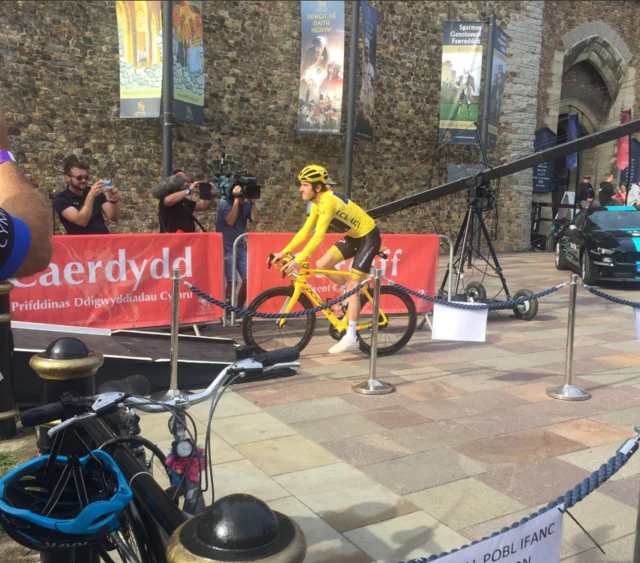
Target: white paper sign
{"type": "Point", "coordinates": [537, 541]}
{"type": "Point", "coordinates": [636, 320]}
{"type": "Point", "coordinates": [451, 323]}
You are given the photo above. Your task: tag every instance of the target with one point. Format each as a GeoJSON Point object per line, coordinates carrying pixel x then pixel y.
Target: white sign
{"type": "Point", "coordinates": [636, 320]}
{"type": "Point", "coordinates": [451, 323]}
{"type": "Point", "coordinates": [537, 541]}
{"type": "Point", "coordinates": [567, 199]}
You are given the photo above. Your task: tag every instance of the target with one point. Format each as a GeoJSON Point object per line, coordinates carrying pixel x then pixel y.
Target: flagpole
{"type": "Point", "coordinates": [351, 103]}
{"type": "Point", "coordinates": [167, 87]}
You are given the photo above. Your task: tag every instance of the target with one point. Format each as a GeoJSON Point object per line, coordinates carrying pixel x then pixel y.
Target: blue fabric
{"type": "Point", "coordinates": [21, 245]}
{"type": "Point", "coordinates": [230, 234]}
{"type": "Point", "coordinates": [241, 264]}
{"type": "Point", "coordinates": [572, 135]}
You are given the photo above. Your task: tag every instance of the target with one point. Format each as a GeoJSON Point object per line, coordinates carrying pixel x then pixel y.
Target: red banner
{"type": "Point", "coordinates": [622, 158]}
{"type": "Point", "coordinates": [412, 261]}
{"type": "Point", "coordinates": [122, 281]}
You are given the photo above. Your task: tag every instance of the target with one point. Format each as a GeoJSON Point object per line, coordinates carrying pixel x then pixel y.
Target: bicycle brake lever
{"type": "Point", "coordinates": [69, 422]}
{"type": "Point", "coordinates": [270, 261]}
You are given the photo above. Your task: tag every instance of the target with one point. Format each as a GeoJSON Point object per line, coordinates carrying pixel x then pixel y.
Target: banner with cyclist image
{"type": "Point", "coordinates": [364, 115]}
{"type": "Point", "coordinates": [462, 47]}
{"type": "Point", "coordinates": [412, 261]}
{"type": "Point", "coordinates": [140, 53]}
{"type": "Point", "coordinates": [321, 67]}
{"type": "Point", "coordinates": [188, 61]}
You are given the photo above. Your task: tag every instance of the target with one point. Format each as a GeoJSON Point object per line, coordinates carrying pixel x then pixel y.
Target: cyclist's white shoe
{"type": "Point", "coordinates": [345, 344]}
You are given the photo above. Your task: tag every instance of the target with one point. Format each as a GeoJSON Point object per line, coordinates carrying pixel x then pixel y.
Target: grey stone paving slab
{"type": "Point", "coordinates": [432, 435]}
{"type": "Point", "coordinates": [465, 405]}
{"type": "Point", "coordinates": [366, 450]}
{"type": "Point", "coordinates": [424, 470]}
{"type": "Point", "coordinates": [624, 490]}
{"type": "Point", "coordinates": [537, 482]}
{"type": "Point", "coordinates": [302, 411]}
{"type": "Point", "coordinates": [626, 418]}
{"type": "Point", "coordinates": [396, 416]}
{"type": "Point", "coordinates": [336, 428]}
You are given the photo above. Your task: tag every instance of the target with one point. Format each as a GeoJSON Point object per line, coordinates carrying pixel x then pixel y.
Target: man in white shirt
{"type": "Point", "coordinates": [634, 196]}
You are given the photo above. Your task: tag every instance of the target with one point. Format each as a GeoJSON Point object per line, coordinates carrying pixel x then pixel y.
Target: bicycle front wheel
{"type": "Point", "coordinates": [393, 335]}
{"type": "Point", "coordinates": [274, 333]}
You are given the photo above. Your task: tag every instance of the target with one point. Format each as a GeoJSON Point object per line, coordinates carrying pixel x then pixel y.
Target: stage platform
{"type": "Point", "coordinates": [127, 352]}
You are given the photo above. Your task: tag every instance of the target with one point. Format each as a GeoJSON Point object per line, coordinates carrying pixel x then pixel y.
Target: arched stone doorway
{"type": "Point", "coordinates": [592, 78]}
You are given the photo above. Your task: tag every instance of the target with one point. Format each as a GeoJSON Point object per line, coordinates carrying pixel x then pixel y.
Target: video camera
{"type": "Point", "coordinates": [225, 183]}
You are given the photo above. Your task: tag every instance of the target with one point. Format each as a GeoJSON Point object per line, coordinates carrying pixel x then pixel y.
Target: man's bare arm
{"type": "Point", "coordinates": [20, 199]}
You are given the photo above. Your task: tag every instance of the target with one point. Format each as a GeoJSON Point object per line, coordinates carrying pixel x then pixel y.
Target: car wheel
{"type": "Point", "coordinates": [587, 269]}
{"type": "Point", "coordinates": [561, 261]}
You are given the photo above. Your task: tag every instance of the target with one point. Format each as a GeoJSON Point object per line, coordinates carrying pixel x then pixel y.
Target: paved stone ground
{"type": "Point", "coordinates": [468, 443]}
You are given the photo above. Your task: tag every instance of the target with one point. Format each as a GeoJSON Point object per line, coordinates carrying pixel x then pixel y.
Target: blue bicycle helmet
{"type": "Point", "coordinates": [61, 502]}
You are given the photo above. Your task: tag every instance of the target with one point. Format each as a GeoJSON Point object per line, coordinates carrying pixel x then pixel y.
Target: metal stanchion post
{"type": "Point", "coordinates": [373, 386]}
{"type": "Point", "coordinates": [8, 410]}
{"type": "Point", "coordinates": [567, 391]}
{"type": "Point", "coordinates": [234, 299]}
{"type": "Point", "coordinates": [175, 334]}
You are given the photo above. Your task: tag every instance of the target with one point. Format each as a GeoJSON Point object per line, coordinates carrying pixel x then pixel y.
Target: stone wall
{"type": "Point", "coordinates": [59, 74]}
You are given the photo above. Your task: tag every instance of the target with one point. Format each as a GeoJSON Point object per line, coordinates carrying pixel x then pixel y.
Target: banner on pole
{"type": "Point", "coordinates": [122, 281]}
{"type": "Point", "coordinates": [140, 51]}
{"type": "Point", "coordinates": [572, 135]}
{"type": "Point", "coordinates": [460, 82]}
{"type": "Point", "coordinates": [364, 115]}
{"type": "Point", "coordinates": [321, 67]}
{"type": "Point", "coordinates": [622, 158]}
{"type": "Point", "coordinates": [543, 173]}
{"type": "Point", "coordinates": [497, 81]}
{"type": "Point", "coordinates": [632, 174]}
{"type": "Point", "coordinates": [188, 61]}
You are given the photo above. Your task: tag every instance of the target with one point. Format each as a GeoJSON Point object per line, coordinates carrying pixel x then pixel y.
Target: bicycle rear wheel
{"type": "Point", "coordinates": [138, 539]}
{"type": "Point", "coordinates": [271, 334]}
{"type": "Point", "coordinates": [400, 311]}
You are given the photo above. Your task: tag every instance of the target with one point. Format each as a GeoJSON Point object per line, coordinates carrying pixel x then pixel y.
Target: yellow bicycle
{"type": "Point", "coordinates": [395, 327]}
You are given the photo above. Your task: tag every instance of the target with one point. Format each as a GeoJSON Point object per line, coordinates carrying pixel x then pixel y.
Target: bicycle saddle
{"type": "Point", "coordinates": [132, 385]}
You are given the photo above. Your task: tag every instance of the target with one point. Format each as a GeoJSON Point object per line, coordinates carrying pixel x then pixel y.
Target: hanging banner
{"type": "Point", "coordinates": [497, 80]}
{"type": "Point", "coordinates": [122, 281]}
{"type": "Point", "coordinates": [188, 61]}
{"type": "Point", "coordinates": [140, 51]}
{"type": "Point", "coordinates": [412, 261]}
{"type": "Point", "coordinates": [321, 68]}
{"type": "Point", "coordinates": [572, 135]}
{"type": "Point", "coordinates": [460, 82]}
{"type": "Point", "coordinates": [632, 174]}
{"type": "Point", "coordinates": [622, 158]}
{"type": "Point", "coordinates": [543, 173]}
{"type": "Point", "coordinates": [364, 115]}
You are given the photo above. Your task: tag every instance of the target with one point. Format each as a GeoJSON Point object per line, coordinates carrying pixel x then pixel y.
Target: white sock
{"type": "Point", "coordinates": [351, 331]}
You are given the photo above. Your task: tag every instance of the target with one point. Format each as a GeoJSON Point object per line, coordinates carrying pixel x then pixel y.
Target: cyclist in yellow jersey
{"type": "Point", "coordinates": [330, 211]}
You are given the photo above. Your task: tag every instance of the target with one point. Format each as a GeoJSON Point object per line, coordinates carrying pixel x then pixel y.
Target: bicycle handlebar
{"type": "Point", "coordinates": [76, 408]}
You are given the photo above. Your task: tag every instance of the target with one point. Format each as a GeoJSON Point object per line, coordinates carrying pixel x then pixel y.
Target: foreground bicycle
{"type": "Point", "coordinates": [50, 503]}
{"type": "Point", "coordinates": [395, 326]}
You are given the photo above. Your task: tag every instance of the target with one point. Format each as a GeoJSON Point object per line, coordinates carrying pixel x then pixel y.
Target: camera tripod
{"type": "Point", "coordinates": [467, 248]}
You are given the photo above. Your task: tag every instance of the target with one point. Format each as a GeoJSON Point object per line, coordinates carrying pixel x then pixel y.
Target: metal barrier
{"type": "Point", "coordinates": [234, 272]}
{"type": "Point", "coordinates": [568, 392]}
{"type": "Point", "coordinates": [373, 386]}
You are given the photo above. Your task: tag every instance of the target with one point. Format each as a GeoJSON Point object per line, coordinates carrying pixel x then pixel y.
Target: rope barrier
{"type": "Point", "coordinates": [247, 313]}
{"type": "Point", "coordinates": [569, 499]}
{"type": "Point", "coordinates": [478, 305]}
{"type": "Point", "coordinates": [610, 297]}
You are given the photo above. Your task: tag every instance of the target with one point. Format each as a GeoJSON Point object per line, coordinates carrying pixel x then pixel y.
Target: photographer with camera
{"type": "Point", "coordinates": [175, 210]}
{"type": "Point", "coordinates": [234, 211]}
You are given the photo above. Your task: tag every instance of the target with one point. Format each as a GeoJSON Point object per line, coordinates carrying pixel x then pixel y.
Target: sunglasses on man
{"type": "Point", "coordinates": [80, 177]}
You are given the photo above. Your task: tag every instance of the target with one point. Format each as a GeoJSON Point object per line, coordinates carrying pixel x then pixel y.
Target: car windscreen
{"type": "Point", "coordinates": [615, 220]}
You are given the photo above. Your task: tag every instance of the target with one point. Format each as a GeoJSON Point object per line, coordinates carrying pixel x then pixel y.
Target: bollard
{"type": "Point", "coordinates": [173, 391]}
{"type": "Point", "coordinates": [568, 391]}
{"type": "Point", "coordinates": [373, 386]}
{"type": "Point", "coordinates": [66, 365]}
{"type": "Point", "coordinates": [239, 528]}
{"type": "Point", "coordinates": [8, 410]}
{"type": "Point", "coordinates": [234, 297]}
